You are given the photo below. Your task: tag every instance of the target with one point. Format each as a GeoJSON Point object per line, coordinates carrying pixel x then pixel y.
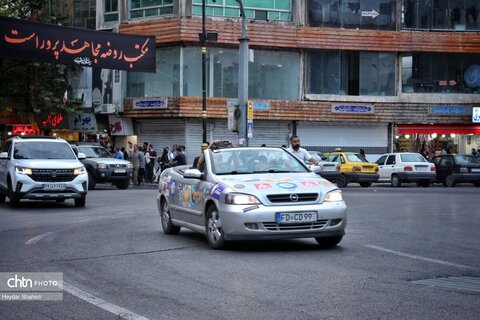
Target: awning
{"type": "Point", "coordinates": [437, 128]}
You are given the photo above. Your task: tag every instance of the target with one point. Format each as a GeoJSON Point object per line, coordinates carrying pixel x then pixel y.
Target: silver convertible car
{"type": "Point", "coordinates": [251, 193]}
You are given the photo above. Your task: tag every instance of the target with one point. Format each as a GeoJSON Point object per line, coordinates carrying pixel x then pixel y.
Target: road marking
{"type": "Point", "coordinates": [398, 253]}
{"type": "Point", "coordinates": [39, 237]}
{"type": "Point", "coordinates": [110, 307]}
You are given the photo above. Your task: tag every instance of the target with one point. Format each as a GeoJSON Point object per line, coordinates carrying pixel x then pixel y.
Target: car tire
{"type": "Point", "coordinates": [342, 181]}
{"type": "Point", "coordinates": [167, 225]}
{"type": "Point", "coordinates": [449, 181]}
{"type": "Point", "coordinates": [396, 183]}
{"type": "Point", "coordinates": [328, 242]}
{"type": "Point", "coordinates": [91, 181]}
{"type": "Point", "coordinates": [123, 185]}
{"type": "Point", "coordinates": [2, 197]}
{"type": "Point", "coordinates": [214, 230]}
{"type": "Point", "coordinates": [14, 198]}
{"type": "Point", "coordinates": [365, 184]}
{"type": "Point", "coordinates": [80, 202]}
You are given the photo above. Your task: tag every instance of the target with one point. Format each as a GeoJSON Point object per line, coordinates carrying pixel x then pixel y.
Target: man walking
{"type": "Point", "coordinates": [299, 152]}
{"type": "Point", "coordinates": [135, 159]}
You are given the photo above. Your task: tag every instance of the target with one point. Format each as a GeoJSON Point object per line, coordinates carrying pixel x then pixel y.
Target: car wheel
{"type": "Point", "coordinates": [342, 181]}
{"type": "Point", "coordinates": [80, 202]}
{"type": "Point", "coordinates": [91, 181]}
{"type": "Point", "coordinates": [449, 181]}
{"type": "Point", "coordinates": [2, 198]}
{"type": "Point", "coordinates": [123, 185]}
{"type": "Point", "coordinates": [328, 242]}
{"type": "Point", "coordinates": [365, 184]}
{"type": "Point", "coordinates": [14, 198]}
{"type": "Point", "coordinates": [215, 235]}
{"type": "Point", "coordinates": [395, 181]}
{"type": "Point", "coordinates": [167, 224]}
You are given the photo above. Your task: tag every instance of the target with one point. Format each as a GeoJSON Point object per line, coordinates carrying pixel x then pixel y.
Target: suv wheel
{"type": "Point", "coordinates": [14, 198]}
{"type": "Point", "coordinates": [91, 181]}
{"type": "Point", "coordinates": [80, 202]}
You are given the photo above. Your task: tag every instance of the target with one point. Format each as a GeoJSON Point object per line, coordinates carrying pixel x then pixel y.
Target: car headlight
{"type": "Point", "coordinates": [78, 171]}
{"type": "Point", "coordinates": [22, 170]}
{"type": "Point", "coordinates": [241, 198]}
{"type": "Point", "coordinates": [129, 165]}
{"type": "Point", "coordinates": [334, 196]}
{"type": "Point", "coordinates": [102, 166]}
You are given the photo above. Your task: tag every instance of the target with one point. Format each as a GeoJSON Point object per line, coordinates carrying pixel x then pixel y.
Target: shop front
{"type": "Point", "coordinates": [432, 139]}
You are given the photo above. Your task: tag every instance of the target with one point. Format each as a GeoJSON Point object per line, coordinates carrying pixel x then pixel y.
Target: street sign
{"type": "Point", "coordinates": [250, 110]}
{"type": "Point", "coordinates": [250, 129]}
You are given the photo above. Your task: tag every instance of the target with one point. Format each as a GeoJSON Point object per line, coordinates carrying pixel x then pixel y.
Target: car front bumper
{"type": "Point", "coordinates": [26, 188]}
{"type": "Point", "coordinates": [245, 223]}
{"type": "Point", "coordinates": [109, 175]}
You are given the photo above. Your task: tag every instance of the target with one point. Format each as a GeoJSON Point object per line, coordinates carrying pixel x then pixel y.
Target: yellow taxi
{"type": "Point", "coordinates": [354, 167]}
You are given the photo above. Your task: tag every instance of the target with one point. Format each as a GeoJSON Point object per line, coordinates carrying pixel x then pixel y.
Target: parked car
{"type": "Point", "coordinates": [354, 167]}
{"type": "Point", "coordinates": [44, 168]}
{"type": "Point", "coordinates": [329, 170]}
{"type": "Point", "coordinates": [398, 168]}
{"type": "Point", "coordinates": [251, 193]}
{"type": "Point", "coordinates": [102, 167]}
{"type": "Point", "coordinates": [456, 168]}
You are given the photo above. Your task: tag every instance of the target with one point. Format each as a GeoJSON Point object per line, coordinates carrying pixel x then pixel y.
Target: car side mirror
{"type": "Point", "coordinates": [316, 169]}
{"type": "Point", "coordinates": [324, 158]}
{"type": "Point", "coordinates": [81, 156]}
{"type": "Point", "coordinates": [4, 155]}
{"type": "Point", "coordinates": [192, 174]}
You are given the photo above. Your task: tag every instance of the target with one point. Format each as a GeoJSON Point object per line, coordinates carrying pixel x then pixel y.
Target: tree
{"type": "Point", "coordinates": [29, 87]}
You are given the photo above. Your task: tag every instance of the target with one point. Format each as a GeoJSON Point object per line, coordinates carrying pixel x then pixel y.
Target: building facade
{"type": "Point", "coordinates": [379, 75]}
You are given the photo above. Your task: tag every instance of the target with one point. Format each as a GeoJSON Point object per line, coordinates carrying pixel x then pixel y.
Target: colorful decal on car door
{"type": "Point", "coordinates": [216, 191]}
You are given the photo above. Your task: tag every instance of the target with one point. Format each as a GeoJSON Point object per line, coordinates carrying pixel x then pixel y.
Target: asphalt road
{"type": "Point", "coordinates": [408, 253]}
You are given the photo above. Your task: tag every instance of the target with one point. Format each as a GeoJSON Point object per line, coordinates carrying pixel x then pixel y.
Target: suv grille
{"type": "Point", "coordinates": [292, 197]}
{"type": "Point", "coordinates": [117, 165]}
{"type": "Point", "coordinates": [52, 175]}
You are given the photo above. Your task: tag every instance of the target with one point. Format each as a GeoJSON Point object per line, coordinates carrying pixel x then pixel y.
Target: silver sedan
{"type": "Point", "coordinates": [251, 194]}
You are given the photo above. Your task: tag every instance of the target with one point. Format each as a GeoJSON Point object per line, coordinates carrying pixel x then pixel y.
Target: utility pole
{"type": "Point", "coordinates": [203, 39]}
{"type": "Point", "coordinates": [243, 80]}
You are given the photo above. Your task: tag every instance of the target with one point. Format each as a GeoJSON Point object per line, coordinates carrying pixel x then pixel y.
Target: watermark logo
{"type": "Point", "coordinates": [31, 286]}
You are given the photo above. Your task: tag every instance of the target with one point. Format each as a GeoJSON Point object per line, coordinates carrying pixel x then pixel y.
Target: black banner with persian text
{"type": "Point", "coordinates": [41, 42]}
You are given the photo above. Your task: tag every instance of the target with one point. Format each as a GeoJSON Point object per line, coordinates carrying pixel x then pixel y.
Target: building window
{"type": "Point", "coordinates": [84, 14]}
{"type": "Point", "coordinates": [264, 10]}
{"type": "Point", "coordinates": [440, 73]}
{"type": "Point", "coordinates": [351, 73]}
{"type": "Point", "coordinates": [441, 14]}
{"type": "Point", "coordinates": [362, 14]}
{"type": "Point", "coordinates": [111, 10]}
{"type": "Point", "coordinates": [150, 8]}
{"type": "Point", "coordinates": [164, 82]}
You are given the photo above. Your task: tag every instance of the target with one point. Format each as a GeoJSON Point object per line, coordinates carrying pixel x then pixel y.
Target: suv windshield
{"type": "Point", "coordinates": [42, 150]}
{"type": "Point", "coordinates": [94, 152]}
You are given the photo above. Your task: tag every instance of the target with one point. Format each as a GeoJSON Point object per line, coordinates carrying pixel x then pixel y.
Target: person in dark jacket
{"type": "Point", "coordinates": [179, 159]}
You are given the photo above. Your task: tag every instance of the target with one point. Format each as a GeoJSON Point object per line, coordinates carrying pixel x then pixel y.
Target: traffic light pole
{"type": "Point", "coordinates": [243, 80]}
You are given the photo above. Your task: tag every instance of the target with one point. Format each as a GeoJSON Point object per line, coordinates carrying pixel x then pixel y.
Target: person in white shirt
{"type": "Point", "coordinates": [299, 152]}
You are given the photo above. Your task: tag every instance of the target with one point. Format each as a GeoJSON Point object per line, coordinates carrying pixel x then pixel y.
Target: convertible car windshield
{"type": "Point", "coordinates": [254, 160]}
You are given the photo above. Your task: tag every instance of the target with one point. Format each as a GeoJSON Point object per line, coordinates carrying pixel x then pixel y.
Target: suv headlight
{"type": "Point", "coordinates": [78, 171]}
{"type": "Point", "coordinates": [334, 196]}
{"type": "Point", "coordinates": [102, 166]}
{"type": "Point", "coordinates": [22, 170]}
{"type": "Point", "coordinates": [241, 198]}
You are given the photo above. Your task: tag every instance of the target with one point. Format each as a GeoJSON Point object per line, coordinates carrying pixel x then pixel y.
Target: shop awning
{"type": "Point", "coordinates": [436, 128]}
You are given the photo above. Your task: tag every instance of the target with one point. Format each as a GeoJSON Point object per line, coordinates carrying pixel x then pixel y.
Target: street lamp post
{"type": "Point", "coordinates": [204, 75]}
{"type": "Point", "coordinates": [243, 80]}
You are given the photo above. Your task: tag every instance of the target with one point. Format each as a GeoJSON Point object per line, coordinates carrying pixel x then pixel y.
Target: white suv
{"type": "Point", "coordinates": [41, 169]}
{"type": "Point", "coordinates": [405, 167]}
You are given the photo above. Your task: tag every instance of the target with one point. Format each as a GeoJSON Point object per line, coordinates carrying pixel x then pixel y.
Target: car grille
{"type": "Point", "coordinates": [272, 226]}
{"type": "Point", "coordinates": [117, 165]}
{"type": "Point", "coordinates": [52, 175]}
{"type": "Point", "coordinates": [292, 197]}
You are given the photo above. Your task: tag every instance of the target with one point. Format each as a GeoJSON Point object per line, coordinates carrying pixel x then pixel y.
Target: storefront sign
{"type": "Point", "coordinates": [52, 120]}
{"type": "Point", "coordinates": [452, 110]}
{"type": "Point", "coordinates": [83, 122]}
{"type": "Point", "coordinates": [353, 108]}
{"type": "Point", "coordinates": [156, 103]}
{"type": "Point", "coordinates": [120, 126]}
{"type": "Point", "coordinates": [25, 129]}
{"type": "Point", "coordinates": [476, 114]}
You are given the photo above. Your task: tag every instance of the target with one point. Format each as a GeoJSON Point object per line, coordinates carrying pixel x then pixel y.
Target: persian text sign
{"type": "Point", "coordinates": [154, 103]}
{"type": "Point", "coordinates": [476, 114]}
{"type": "Point", "coordinates": [353, 108]}
{"type": "Point", "coordinates": [33, 41]}
{"type": "Point", "coordinates": [449, 110]}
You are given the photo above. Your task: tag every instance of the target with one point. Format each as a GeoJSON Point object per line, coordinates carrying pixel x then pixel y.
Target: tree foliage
{"type": "Point", "coordinates": [29, 87]}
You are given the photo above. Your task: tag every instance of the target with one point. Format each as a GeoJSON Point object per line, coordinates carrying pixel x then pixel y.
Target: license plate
{"type": "Point", "coordinates": [421, 168]}
{"type": "Point", "coordinates": [295, 217]}
{"type": "Point", "coordinates": [119, 171]}
{"type": "Point", "coordinates": [52, 186]}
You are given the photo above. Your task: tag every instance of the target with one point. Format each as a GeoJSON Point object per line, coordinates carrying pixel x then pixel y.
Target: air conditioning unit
{"type": "Point", "coordinates": [108, 108]}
